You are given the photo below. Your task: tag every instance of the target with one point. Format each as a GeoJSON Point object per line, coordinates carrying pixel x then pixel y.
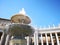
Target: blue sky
{"type": "Point", "coordinates": [41, 12]}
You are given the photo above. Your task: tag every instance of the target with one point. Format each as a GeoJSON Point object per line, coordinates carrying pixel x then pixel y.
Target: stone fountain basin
{"type": "Point", "coordinates": [20, 30]}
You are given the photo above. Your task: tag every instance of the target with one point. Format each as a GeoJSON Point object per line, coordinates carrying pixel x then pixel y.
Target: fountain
{"type": "Point", "coordinates": [18, 29]}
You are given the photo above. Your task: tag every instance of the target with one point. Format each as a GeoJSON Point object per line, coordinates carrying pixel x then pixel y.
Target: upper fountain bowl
{"type": "Point", "coordinates": [20, 29]}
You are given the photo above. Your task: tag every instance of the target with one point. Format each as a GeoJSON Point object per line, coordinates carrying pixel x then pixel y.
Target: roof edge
{"type": "Point", "coordinates": [5, 19]}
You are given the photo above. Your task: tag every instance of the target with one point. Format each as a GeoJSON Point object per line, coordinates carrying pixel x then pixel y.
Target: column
{"type": "Point", "coordinates": [3, 39]}
{"type": "Point", "coordinates": [36, 38]}
{"type": "Point", "coordinates": [7, 40]}
{"type": "Point", "coordinates": [46, 38]}
{"type": "Point", "coordinates": [41, 39]}
{"type": "Point", "coordinates": [57, 39]}
{"type": "Point", "coordinates": [51, 39]}
{"type": "Point", "coordinates": [28, 41]}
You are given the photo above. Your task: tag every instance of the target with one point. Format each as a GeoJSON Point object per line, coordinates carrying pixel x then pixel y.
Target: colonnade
{"type": "Point", "coordinates": [52, 41]}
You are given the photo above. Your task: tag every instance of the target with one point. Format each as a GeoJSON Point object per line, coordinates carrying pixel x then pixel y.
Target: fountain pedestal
{"type": "Point", "coordinates": [18, 42]}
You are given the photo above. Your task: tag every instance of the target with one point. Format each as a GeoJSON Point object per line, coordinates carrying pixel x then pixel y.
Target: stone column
{"type": "Point", "coordinates": [46, 38]}
{"type": "Point", "coordinates": [28, 40]}
{"type": "Point", "coordinates": [7, 40]}
{"type": "Point", "coordinates": [51, 39]}
{"type": "Point", "coordinates": [57, 39]}
{"type": "Point", "coordinates": [36, 38]}
{"type": "Point", "coordinates": [3, 39]}
{"type": "Point", "coordinates": [41, 39]}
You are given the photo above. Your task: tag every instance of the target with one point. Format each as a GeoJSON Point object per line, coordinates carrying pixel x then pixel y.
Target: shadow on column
{"type": "Point", "coordinates": [0, 35]}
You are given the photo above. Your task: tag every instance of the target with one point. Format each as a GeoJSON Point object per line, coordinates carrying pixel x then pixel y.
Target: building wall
{"type": "Point", "coordinates": [3, 23]}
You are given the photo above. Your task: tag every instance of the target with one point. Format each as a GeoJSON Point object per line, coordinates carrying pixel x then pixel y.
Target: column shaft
{"type": "Point", "coordinates": [28, 41]}
{"type": "Point", "coordinates": [36, 38]}
{"type": "Point", "coordinates": [7, 40]}
{"type": "Point", "coordinates": [46, 38]}
{"type": "Point", "coordinates": [57, 39]}
{"type": "Point", "coordinates": [51, 39]}
{"type": "Point", "coordinates": [3, 39]}
{"type": "Point", "coordinates": [41, 39]}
